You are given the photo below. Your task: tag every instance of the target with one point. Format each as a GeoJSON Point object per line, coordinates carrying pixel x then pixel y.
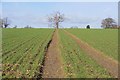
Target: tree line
{"type": "Point", "coordinates": [5, 22]}
{"type": "Point", "coordinates": [56, 18]}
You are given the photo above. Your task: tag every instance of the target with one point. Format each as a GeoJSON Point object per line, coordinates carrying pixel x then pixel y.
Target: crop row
{"type": "Point", "coordinates": [77, 62]}
{"type": "Point", "coordinates": [105, 40]}
{"type": "Point", "coordinates": [26, 59]}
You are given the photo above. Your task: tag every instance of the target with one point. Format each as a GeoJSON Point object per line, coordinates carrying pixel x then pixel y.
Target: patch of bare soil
{"type": "Point", "coordinates": [110, 64]}
{"type": "Point", "coordinates": [53, 67]}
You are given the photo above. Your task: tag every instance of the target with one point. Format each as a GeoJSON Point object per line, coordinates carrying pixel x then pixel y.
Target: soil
{"type": "Point", "coordinates": [53, 67]}
{"type": "Point", "coordinates": [108, 63]}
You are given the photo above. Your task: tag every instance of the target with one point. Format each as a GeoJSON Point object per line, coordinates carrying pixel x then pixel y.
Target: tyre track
{"type": "Point", "coordinates": [53, 67]}
{"type": "Point", "coordinates": [19, 61]}
{"type": "Point", "coordinates": [110, 64]}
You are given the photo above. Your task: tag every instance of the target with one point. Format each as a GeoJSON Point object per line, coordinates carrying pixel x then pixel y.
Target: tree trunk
{"type": "Point", "coordinates": [57, 25]}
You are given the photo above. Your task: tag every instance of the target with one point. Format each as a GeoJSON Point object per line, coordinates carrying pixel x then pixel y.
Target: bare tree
{"type": "Point", "coordinates": [108, 23]}
{"type": "Point", "coordinates": [55, 19]}
{"type": "Point", "coordinates": [6, 22]}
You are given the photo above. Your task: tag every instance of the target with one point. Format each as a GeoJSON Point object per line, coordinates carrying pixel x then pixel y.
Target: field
{"type": "Point", "coordinates": [105, 40]}
{"type": "Point", "coordinates": [28, 53]}
{"type": "Point", "coordinates": [77, 63]}
{"type": "Point", "coordinates": [23, 51]}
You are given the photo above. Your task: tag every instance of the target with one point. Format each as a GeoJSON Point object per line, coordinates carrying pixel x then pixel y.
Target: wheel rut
{"type": "Point", "coordinates": [108, 63]}
{"type": "Point", "coordinates": [53, 67]}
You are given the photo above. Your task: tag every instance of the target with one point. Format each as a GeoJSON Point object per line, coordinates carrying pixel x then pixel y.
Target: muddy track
{"type": "Point", "coordinates": [108, 63]}
{"type": "Point", "coordinates": [53, 67]}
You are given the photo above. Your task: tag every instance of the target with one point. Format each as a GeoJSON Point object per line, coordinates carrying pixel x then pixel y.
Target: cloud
{"type": "Point", "coordinates": [81, 19]}
{"type": "Point", "coordinates": [27, 19]}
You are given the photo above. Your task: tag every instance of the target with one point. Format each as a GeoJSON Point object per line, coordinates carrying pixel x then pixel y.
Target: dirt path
{"type": "Point", "coordinates": [53, 65]}
{"type": "Point", "coordinates": [103, 60]}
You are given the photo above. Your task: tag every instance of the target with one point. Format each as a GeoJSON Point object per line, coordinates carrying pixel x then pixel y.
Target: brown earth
{"type": "Point", "coordinates": [108, 63]}
{"type": "Point", "coordinates": [53, 67]}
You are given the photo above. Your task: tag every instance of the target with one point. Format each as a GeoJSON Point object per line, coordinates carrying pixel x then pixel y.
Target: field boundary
{"type": "Point", "coordinates": [108, 63]}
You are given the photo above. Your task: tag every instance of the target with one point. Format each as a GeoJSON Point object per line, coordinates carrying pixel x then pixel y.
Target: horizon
{"type": "Point", "coordinates": [78, 14]}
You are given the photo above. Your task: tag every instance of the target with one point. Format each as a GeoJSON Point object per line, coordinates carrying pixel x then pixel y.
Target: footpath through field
{"type": "Point", "coordinates": [103, 60]}
{"type": "Point", "coordinates": [53, 65]}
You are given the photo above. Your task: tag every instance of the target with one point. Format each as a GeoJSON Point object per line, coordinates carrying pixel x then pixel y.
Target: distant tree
{"type": "Point", "coordinates": [88, 26]}
{"type": "Point", "coordinates": [27, 26]}
{"type": "Point", "coordinates": [1, 23]}
{"type": "Point", "coordinates": [115, 26]}
{"type": "Point", "coordinates": [15, 26]}
{"type": "Point", "coordinates": [6, 22]}
{"type": "Point", "coordinates": [55, 19]}
{"type": "Point", "coordinates": [108, 23]}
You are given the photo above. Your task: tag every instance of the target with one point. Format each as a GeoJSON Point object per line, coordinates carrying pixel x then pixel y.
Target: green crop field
{"type": "Point", "coordinates": [59, 40]}
{"type": "Point", "coordinates": [23, 51]}
{"type": "Point", "coordinates": [105, 40]}
{"type": "Point", "coordinates": [77, 63]}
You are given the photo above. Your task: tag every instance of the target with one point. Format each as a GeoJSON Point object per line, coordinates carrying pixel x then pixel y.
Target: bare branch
{"type": "Point", "coordinates": [56, 18]}
{"type": "Point", "coordinates": [6, 22]}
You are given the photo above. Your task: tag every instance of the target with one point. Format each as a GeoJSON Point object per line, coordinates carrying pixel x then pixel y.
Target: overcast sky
{"type": "Point", "coordinates": [77, 13]}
